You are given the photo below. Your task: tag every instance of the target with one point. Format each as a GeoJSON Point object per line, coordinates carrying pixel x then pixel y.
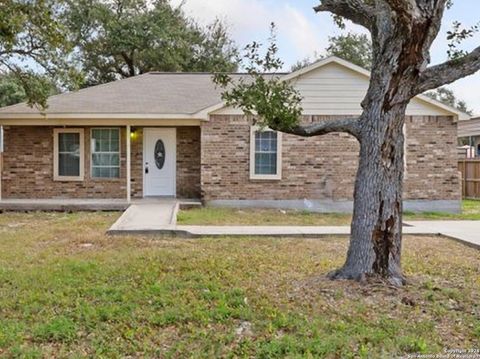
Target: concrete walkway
{"type": "Point", "coordinates": [147, 217]}
{"type": "Point", "coordinates": [467, 232]}
{"type": "Point", "coordinates": [160, 218]}
{"type": "Point", "coordinates": [275, 231]}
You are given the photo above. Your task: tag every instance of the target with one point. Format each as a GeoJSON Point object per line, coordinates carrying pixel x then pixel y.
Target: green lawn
{"type": "Point", "coordinates": [68, 290]}
{"type": "Point", "coordinates": [234, 216]}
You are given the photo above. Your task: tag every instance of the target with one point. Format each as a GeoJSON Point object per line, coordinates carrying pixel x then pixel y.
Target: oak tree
{"type": "Point", "coordinates": [122, 38]}
{"type": "Point", "coordinates": [34, 50]}
{"type": "Point", "coordinates": [402, 34]}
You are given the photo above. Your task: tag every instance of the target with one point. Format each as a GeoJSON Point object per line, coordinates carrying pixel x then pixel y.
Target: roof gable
{"type": "Point", "coordinates": [420, 99]}
{"type": "Point", "coordinates": [333, 86]}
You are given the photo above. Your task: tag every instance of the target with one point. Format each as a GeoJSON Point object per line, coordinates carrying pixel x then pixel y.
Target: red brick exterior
{"type": "Point", "coordinates": [28, 166]}
{"type": "Point", "coordinates": [188, 162]}
{"type": "Point", "coordinates": [324, 167]}
{"type": "Point", "coordinates": [213, 163]}
{"type": "Point", "coordinates": [432, 159]}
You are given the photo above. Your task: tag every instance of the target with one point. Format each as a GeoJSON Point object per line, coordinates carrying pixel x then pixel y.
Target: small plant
{"type": "Point", "coordinates": [60, 329]}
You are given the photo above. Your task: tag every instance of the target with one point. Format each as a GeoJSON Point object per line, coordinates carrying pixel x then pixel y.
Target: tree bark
{"type": "Point", "coordinates": [376, 230]}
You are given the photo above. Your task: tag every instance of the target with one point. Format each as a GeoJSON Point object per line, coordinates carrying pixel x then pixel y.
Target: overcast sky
{"type": "Point", "coordinates": [301, 32]}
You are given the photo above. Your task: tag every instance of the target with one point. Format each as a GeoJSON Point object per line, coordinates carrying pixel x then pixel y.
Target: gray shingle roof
{"type": "Point", "coordinates": [151, 93]}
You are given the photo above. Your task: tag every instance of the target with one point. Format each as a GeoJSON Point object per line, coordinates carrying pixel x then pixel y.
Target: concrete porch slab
{"type": "Point", "coordinates": [84, 204]}
{"type": "Point", "coordinates": [62, 205]}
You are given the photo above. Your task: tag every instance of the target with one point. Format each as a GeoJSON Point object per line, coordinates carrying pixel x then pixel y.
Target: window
{"type": "Point", "coordinates": [105, 152]}
{"type": "Point", "coordinates": [68, 154]}
{"type": "Point", "coordinates": [265, 154]}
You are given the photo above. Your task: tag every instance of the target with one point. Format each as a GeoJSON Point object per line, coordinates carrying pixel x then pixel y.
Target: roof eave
{"type": "Point", "coordinates": [93, 116]}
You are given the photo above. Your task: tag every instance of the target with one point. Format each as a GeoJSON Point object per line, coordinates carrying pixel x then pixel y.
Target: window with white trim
{"type": "Point", "coordinates": [68, 154]}
{"type": "Point", "coordinates": [105, 150]}
{"type": "Point", "coordinates": [265, 154]}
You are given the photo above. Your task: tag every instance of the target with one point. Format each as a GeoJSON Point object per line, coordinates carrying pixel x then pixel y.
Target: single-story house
{"type": "Point", "coordinates": [469, 135]}
{"type": "Point", "coordinates": [170, 134]}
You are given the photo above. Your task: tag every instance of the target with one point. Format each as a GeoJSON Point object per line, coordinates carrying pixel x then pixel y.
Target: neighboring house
{"type": "Point", "coordinates": [169, 134]}
{"type": "Point", "coordinates": [469, 135]}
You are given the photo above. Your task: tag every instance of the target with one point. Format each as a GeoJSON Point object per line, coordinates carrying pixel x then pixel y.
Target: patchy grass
{"type": "Point", "coordinates": [67, 290]}
{"type": "Point", "coordinates": [470, 212]}
{"type": "Point", "coordinates": [234, 216]}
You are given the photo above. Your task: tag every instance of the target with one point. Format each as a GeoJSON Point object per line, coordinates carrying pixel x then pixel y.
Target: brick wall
{"type": "Point", "coordinates": [188, 162]}
{"type": "Point", "coordinates": [432, 159]}
{"type": "Point", "coordinates": [315, 168]}
{"type": "Point", "coordinates": [28, 166]}
{"type": "Point", "coordinates": [136, 144]}
{"type": "Point", "coordinates": [324, 167]}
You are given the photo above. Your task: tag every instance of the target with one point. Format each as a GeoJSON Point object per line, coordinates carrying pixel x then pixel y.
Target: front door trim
{"type": "Point", "coordinates": [174, 151]}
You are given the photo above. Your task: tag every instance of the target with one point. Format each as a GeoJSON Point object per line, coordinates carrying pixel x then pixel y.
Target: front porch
{"type": "Point", "coordinates": [111, 171]}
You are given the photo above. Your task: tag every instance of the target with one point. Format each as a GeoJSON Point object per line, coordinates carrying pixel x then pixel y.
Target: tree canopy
{"type": "Point", "coordinates": [356, 48]}
{"type": "Point", "coordinates": [33, 44]}
{"type": "Point", "coordinates": [123, 38]}
{"type": "Point", "coordinates": [448, 97]}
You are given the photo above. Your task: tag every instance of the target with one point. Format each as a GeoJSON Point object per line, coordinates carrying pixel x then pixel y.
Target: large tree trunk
{"type": "Point", "coordinates": [376, 230]}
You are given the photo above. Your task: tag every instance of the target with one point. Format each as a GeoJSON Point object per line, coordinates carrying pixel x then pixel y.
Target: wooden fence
{"type": "Point", "coordinates": [470, 170]}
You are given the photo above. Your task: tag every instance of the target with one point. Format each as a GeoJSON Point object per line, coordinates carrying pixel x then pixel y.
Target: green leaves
{"type": "Point", "coordinates": [447, 96]}
{"type": "Point", "coordinates": [261, 92]}
{"type": "Point", "coordinates": [356, 48]}
{"type": "Point", "coordinates": [33, 44]}
{"type": "Point", "coordinates": [119, 39]}
{"type": "Point", "coordinates": [456, 36]}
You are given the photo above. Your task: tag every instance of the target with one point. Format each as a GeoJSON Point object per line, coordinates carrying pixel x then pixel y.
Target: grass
{"type": "Point", "coordinates": [235, 216]}
{"type": "Point", "coordinates": [68, 290]}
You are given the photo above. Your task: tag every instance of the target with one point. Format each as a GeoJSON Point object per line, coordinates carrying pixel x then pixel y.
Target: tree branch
{"type": "Point", "coordinates": [348, 125]}
{"type": "Point", "coordinates": [354, 10]}
{"type": "Point", "coordinates": [448, 72]}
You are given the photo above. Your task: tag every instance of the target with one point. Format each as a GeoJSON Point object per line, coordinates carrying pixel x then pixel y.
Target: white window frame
{"type": "Point", "coordinates": [119, 153]}
{"type": "Point", "coordinates": [253, 175]}
{"type": "Point", "coordinates": [56, 176]}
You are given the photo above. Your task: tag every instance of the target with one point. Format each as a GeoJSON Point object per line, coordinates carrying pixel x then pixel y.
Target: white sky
{"type": "Point", "coordinates": [302, 33]}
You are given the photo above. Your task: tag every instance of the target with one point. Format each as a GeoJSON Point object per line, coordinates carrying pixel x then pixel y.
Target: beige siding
{"type": "Point", "coordinates": [336, 90]}
{"type": "Point", "coordinates": [469, 128]}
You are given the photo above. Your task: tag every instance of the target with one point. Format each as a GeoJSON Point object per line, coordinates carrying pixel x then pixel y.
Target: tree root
{"type": "Point", "coordinates": [396, 280]}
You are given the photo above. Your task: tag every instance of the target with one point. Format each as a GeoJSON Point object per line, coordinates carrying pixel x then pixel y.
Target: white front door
{"type": "Point", "coordinates": [159, 161]}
